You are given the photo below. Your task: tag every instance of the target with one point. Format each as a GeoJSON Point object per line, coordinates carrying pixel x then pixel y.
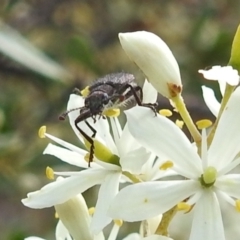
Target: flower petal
{"type": "Point", "coordinates": [134, 160]}
{"type": "Point", "coordinates": [55, 192]}
{"type": "Point", "coordinates": [163, 137]}
{"type": "Point", "coordinates": [145, 200]}
{"type": "Point", "coordinates": [222, 74]}
{"type": "Point", "coordinates": [62, 232]}
{"type": "Point", "coordinates": [107, 191]}
{"type": "Point", "coordinates": [149, 93]}
{"type": "Point", "coordinates": [154, 58]}
{"type": "Point", "coordinates": [225, 145]}
{"type": "Point", "coordinates": [229, 184]}
{"type": "Point", "coordinates": [67, 156]}
{"type": "Point", "coordinates": [210, 100]}
{"type": "Point", "coordinates": [207, 220]}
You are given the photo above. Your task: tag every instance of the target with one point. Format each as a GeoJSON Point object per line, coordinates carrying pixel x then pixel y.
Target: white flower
{"type": "Point", "coordinates": [131, 155]}
{"type": "Point", "coordinates": [223, 75]}
{"type": "Point", "coordinates": [155, 59]}
{"type": "Point", "coordinates": [208, 177]}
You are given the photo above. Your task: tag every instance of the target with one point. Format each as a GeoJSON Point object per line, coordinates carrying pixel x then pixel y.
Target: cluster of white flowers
{"type": "Point", "coordinates": [133, 183]}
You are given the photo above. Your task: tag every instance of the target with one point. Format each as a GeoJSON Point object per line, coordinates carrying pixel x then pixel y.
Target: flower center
{"type": "Point", "coordinates": [209, 176]}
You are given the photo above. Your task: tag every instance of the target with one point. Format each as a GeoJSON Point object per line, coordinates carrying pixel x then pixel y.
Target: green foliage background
{"type": "Point", "coordinates": [83, 37]}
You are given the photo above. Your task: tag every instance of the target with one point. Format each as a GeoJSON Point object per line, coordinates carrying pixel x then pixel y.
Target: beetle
{"type": "Point", "coordinates": [111, 91]}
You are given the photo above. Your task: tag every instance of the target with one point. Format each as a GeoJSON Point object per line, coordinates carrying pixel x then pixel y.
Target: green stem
{"type": "Point", "coordinates": [181, 107]}
{"type": "Point", "coordinates": [133, 178]}
{"type": "Point", "coordinates": [228, 91]}
{"type": "Point", "coordinates": [162, 228]}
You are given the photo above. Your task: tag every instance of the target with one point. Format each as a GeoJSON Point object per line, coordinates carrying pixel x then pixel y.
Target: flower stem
{"type": "Point", "coordinates": [162, 228]}
{"type": "Point", "coordinates": [133, 178]}
{"type": "Point", "coordinates": [228, 91]}
{"type": "Point", "coordinates": [181, 107]}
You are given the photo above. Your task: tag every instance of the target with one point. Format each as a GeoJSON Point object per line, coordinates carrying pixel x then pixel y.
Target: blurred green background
{"type": "Point", "coordinates": [82, 37]}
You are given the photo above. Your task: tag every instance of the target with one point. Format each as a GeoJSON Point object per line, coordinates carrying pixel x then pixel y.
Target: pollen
{"type": "Point", "coordinates": [179, 123]}
{"type": "Point", "coordinates": [91, 211]}
{"type": "Point", "coordinates": [166, 165]}
{"type": "Point", "coordinates": [237, 205]}
{"type": "Point", "coordinates": [85, 91]}
{"type": "Point", "coordinates": [204, 123]}
{"type": "Point", "coordinates": [42, 131]}
{"type": "Point", "coordinates": [165, 112]}
{"type": "Point", "coordinates": [118, 222]}
{"type": "Point", "coordinates": [113, 112]}
{"type": "Point", "coordinates": [183, 206]}
{"type": "Point", "coordinates": [49, 173]}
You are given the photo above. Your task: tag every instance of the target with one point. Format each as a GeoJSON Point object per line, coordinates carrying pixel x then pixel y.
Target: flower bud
{"type": "Point", "coordinates": [155, 59]}
{"type": "Point", "coordinates": [74, 215]}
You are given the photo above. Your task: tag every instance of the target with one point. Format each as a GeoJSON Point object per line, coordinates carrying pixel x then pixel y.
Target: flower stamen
{"type": "Point", "coordinates": [41, 132]}
{"type": "Point", "coordinates": [113, 112]}
{"type": "Point", "coordinates": [165, 112]}
{"type": "Point", "coordinates": [204, 123]}
{"type": "Point", "coordinates": [49, 173]}
{"type": "Point", "coordinates": [183, 206]}
{"type": "Point", "coordinates": [166, 165]}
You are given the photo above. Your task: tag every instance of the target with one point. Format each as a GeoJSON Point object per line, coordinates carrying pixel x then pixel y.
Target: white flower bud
{"type": "Point", "coordinates": [155, 59]}
{"type": "Point", "coordinates": [74, 215]}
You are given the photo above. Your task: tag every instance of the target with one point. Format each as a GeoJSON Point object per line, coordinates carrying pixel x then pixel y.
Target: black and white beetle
{"type": "Point", "coordinates": [111, 91]}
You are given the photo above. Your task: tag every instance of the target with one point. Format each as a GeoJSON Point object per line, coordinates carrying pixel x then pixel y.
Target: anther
{"type": "Point", "coordinates": [49, 173]}
{"type": "Point", "coordinates": [42, 131]}
{"type": "Point", "coordinates": [166, 165]}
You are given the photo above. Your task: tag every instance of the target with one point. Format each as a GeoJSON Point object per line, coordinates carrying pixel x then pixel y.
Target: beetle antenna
{"type": "Point", "coordinates": [64, 115]}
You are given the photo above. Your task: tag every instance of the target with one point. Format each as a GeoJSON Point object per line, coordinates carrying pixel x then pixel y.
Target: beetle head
{"type": "Point", "coordinates": [96, 101]}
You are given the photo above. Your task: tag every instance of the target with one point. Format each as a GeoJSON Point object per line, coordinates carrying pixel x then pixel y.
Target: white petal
{"type": "Point", "coordinates": [67, 156]}
{"type": "Point", "coordinates": [101, 125]}
{"type": "Point", "coordinates": [207, 220]}
{"type": "Point", "coordinates": [65, 144]}
{"type": "Point", "coordinates": [62, 232]}
{"type": "Point", "coordinates": [127, 142]}
{"type": "Point", "coordinates": [225, 145]}
{"type": "Point", "coordinates": [230, 184]}
{"type": "Point", "coordinates": [60, 191]}
{"type": "Point", "coordinates": [210, 100]}
{"type": "Point", "coordinates": [163, 137]}
{"type": "Point", "coordinates": [107, 191]}
{"type": "Point", "coordinates": [149, 93]}
{"type": "Point", "coordinates": [134, 160]}
{"type": "Point", "coordinates": [133, 236]}
{"type": "Point", "coordinates": [145, 200]}
{"type": "Point", "coordinates": [223, 74]}
{"type": "Point", "coordinates": [154, 58]}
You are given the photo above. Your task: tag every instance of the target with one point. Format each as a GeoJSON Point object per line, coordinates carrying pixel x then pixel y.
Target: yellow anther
{"type": "Point", "coordinates": [165, 112]}
{"type": "Point", "coordinates": [118, 222]}
{"type": "Point", "coordinates": [91, 211]}
{"type": "Point", "coordinates": [179, 123]}
{"type": "Point", "coordinates": [204, 123]}
{"type": "Point", "coordinates": [49, 173]}
{"type": "Point", "coordinates": [145, 200]}
{"type": "Point", "coordinates": [237, 205]}
{"type": "Point", "coordinates": [113, 112]}
{"type": "Point", "coordinates": [42, 131]}
{"type": "Point", "coordinates": [85, 91]}
{"type": "Point", "coordinates": [166, 165]}
{"type": "Point", "coordinates": [56, 215]}
{"type": "Point", "coordinates": [183, 206]}
{"type": "Point", "coordinates": [209, 176]}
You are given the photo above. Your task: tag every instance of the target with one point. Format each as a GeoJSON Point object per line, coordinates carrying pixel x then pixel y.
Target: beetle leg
{"type": "Point", "coordinates": [138, 99]}
{"type": "Point", "coordinates": [89, 139]}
